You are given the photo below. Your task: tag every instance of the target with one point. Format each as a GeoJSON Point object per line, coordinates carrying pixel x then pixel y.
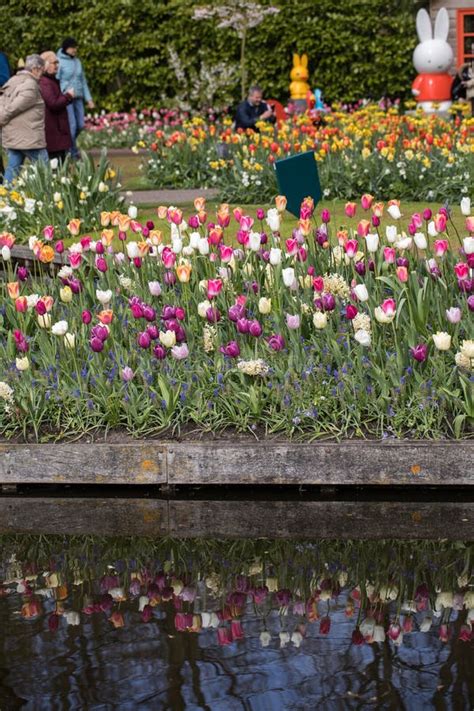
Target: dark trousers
{"type": "Point", "coordinates": [60, 155]}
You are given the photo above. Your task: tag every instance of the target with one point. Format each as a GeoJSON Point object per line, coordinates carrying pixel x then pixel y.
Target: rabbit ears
{"type": "Point", "coordinates": [300, 61]}
{"type": "Point", "coordinates": [423, 25]}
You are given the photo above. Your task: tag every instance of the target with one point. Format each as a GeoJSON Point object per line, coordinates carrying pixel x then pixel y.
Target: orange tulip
{"type": "Point", "coordinates": [280, 202]}
{"type": "Point", "coordinates": [48, 301]}
{"type": "Point", "coordinates": [46, 254]}
{"type": "Point", "coordinates": [115, 217]}
{"type": "Point", "coordinates": [162, 212]}
{"type": "Point", "coordinates": [183, 272]}
{"type": "Point", "coordinates": [305, 227]}
{"type": "Point", "coordinates": [74, 226]}
{"type": "Point", "coordinates": [21, 304]}
{"type": "Point", "coordinates": [377, 208]}
{"type": "Point", "coordinates": [155, 237]}
{"type": "Point", "coordinates": [124, 223]}
{"type": "Point", "coordinates": [7, 239]}
{"type": "Point", "coordinates": [106, 316]}
{"type": "Point", "coordinates": [199, 204]}
{"type": "Point", "coordinates": [13, 288]}
{"type": "Point", "coordinates": [107, 237]}
{"type": "Point", "coordinates": [105, 219]}
{"type": "Point", "coordinates": [143, 248]}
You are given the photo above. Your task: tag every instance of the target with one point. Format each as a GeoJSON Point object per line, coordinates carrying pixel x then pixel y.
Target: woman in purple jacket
{"type": "Point", "coordinates": [58, 133]}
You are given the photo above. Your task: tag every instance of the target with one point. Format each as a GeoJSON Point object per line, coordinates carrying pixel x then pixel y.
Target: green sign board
{"type": "Point", "coordinates": [298, 178]}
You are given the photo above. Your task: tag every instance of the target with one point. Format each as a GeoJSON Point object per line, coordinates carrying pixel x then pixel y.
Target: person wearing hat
{"type": "Point", "coordinates": [71, 76]}
{"type": "Point", "coordinates": [58, 133]}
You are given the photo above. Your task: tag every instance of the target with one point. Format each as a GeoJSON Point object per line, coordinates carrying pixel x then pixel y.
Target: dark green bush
{"type": "Point", "coordinates": [356, 48]}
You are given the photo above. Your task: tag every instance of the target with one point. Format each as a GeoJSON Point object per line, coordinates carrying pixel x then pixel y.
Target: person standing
{"type": "Point", "coordinates": [22, 117]}
{"type": "Point", "coordinates": [58, 133]}
{"type": "Point", "coordinates": [71, 76]}
{"type": "Point", "coordinates": [5, 74]}
{"type": "Point", "coordinates": [252, 110]}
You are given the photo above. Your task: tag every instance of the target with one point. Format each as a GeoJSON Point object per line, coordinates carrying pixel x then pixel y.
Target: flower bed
{"type": "Point", "coordinates": [333, 332]}
{"type": "Point", "coordinates": [283, 592]}
{"type": "Point", "coordinates": [54, 194]}
{"type": "Point", "coordinates": [416, 157]}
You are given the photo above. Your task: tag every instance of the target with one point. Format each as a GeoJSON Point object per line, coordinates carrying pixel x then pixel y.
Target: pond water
{"type": "Point", "coordinates": [142, 622]}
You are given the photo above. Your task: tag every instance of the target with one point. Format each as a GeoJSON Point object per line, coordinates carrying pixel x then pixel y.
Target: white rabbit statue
{"type": "Point", "coordinates": [432, 59]}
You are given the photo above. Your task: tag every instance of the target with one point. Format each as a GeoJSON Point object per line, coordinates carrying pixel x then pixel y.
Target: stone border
{"type": "Point", "coordinates": [225, 462]}
{"type": "Point", "coordinates": [238, 519]}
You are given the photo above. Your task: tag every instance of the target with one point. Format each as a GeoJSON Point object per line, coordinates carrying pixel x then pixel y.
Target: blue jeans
{"type": "Point", "coordinates": [75, 113]}
{"type": "Point", "coordinates": [16, 158]}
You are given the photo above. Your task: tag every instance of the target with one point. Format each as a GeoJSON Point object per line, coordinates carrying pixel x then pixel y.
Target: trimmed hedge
{"type": "Point", "coordinates": [356, 48]}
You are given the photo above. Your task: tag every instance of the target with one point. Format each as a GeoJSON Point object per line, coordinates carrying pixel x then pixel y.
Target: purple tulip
{"type": "Point", "coordinates": [168, 312]}
{"type": "Point", "coordinates": [263, 238]}
{"type": "Point", "coordinates": [213, 315]}
{"type": "Point", "coordinates": [470, 302]}
{"type": "Point", "coordinates": [403, 262]}
{"type": "Point", "coordinates": [143, 339]}
{"type": "Point", "coordinates": [86, 316]}
{"type": "Point", "coordinates": [149, 312]}
{"type": "Point", "coordinates": [159, 352]}
{"type": "Point", "coordinates": [466, 285]}
{"type": "Point", "coordinates": [243, 325]}
{"type": "Point", "coordinates": [170, 278]}
{"type": "Point", "coordinates": [276, 342]}
{"type": "Point", "coordinates": [97, 345]}
{"type": "Point", "coordinates": [360, 268]}
{"type": "Point", "coordinates": [293, 321]}
{"type": "Point", "coordinates": [371, 265]}
{"type": "Point", "coordinates": [137, 310]}
{"type": "Point", "coordinates": [420, 352]}
{"type": "Point", "coordinates": [375, 220]}
{"type": "Point", "coordinates": [255, 329]}
{"type": "Point", "coordinates": [153, 331]}
{"type": "Point", "coordinates": [231, 349]}
{"type": "Point", "coordinates": [99, 248]}
{"type": "Point", "coordinates": [321, 237]}
{"type": "Point", "coordinates": [22, 273]}
{"type": "Point", "coordinates": [180, 334]}
{"type": "Point", "coordinates": [127, 374]}
{"type": "Point", "coordinates": [180, 313]}
{"type": "Point", "coordinates": [101, 264]}
{"type": "Point", "coordinates": [100, 332]}
{"type": "Point", "coordinates": [75, 285]}
{"type": "Point", "coordinates": [329, 302]}
{"type": "Point", "coordinates": [236, 312]}
{"type": "Point", "coordinates": [150, 225]}
{"type": "Point", "coordinates": [171, 324]}
{"type": "Point", "coordinates": [193, 222]}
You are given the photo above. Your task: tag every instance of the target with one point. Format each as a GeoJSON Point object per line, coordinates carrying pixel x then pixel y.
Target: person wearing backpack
{"type": "Point", "coordinates": [5, 74]}
{"type": "Point", "coordinates": [71, 76]}
{"type": "Point", "coordinates": [22, 117]}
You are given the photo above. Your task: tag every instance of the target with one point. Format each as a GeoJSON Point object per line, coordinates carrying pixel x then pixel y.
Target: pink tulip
{"type": "Point", "coordinates": [325, 216]}
{"type": "Point", "coordinates": [350, 209]}
{"type": "Point", "coordinates": [453, 314]}
{"type": "Point", "coordinates": [318, 284]}
{"type": "Point", "coordinates": [246, 223]}
{"type": "Point", "coordinates": [291, 246]}
{"type": "Point", "coordinates": [75, 259]}
{"type": "Point", "coordinates": [363, 228]}
{"type": "Point", "coordinates": [255, 329]}
{"type": "Point", "coordinates": [226, 252]}
{"type": "Point", "coordinates": [214, 288]}
{"type": "Point", "coordinates": [351, 248]}
{"type": "Point", "coordinates": [231, 350]}
{"type": "Point", "coordinates": [417, 220]}
{"type": "Point", "coordinates": [366, 201]}
{"type": "Point", "coordinates": [168, 257]}
{"type": "Point", "coordinates": [293, 321]}
{"type": "Point", "coordinates": [101, 264]}
{"type": "Point", "coordinates": [59, 246]}
{"type": "Point", "coordinates": [441, 246]}
{"type": "Point", "coordinates": [427, 214]}
{"type": "Point", "coordinates": [462, 270]}
{"type": "Point", "coordinates": [419, 352]}
{"type": "Point", "coordinates": [389, 255]}
{"type": "Point", "coordinates": [389, 307]}
{"type": "Point", "coordinates": [351, 311]}
{"type": "Point", "coordinates": [21, 304]}
{"type": "Point", "coordinates": [402, 274]}
{"type": "Point", "coordinates": [180, 352]}
{"type": "Point", "coordinates": [276, 342]}
{"type": "Point", "coordinates": [440, 222]}
{"type": "Point", "coordinates": [48, 232]}
{"type": "Point", "coordinates": [470, 224]}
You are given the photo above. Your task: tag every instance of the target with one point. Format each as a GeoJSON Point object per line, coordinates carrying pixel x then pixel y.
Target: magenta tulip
{"type": "Point", "coordinates": [159, 352]}
{"type": "Point", "coordinates": [419, 352]}
{"type": "Point", "coordinates": [255, 329]}
{"type": "Point", "coordinates": [231, 350]}
{"type": "Point", "coordinates": [276, 342]}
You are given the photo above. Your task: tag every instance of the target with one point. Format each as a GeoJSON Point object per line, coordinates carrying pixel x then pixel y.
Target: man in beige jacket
{"type": "Point", "coordinates": [22, 117]}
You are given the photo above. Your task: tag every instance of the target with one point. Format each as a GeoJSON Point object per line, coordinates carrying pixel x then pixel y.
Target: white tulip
{"type": "Point", "coordinates": [105, 297]}
{"type": "Point", "coordinates": [143, 600]}
{"type": "Point", "coordinates": [273, 219]}
{"type": "Point", "coordinates": [360, 290]}
{"type": "Point", "coordinates": [202, 308]}
{"type": "Point", "coordinates": [363, 337]}
{"type": "Point", "coordinates": [6, 253]}
{"type": "Point", "coordinates": [54, 163]}
{"type": "Point", "coordinates": [132, 212]}
{"type": "Point", "coordinates": [22, 363]}
{"type": "Point", "coordinates": [187, 251]}
{"type": "Point", "coordinates": [320, 320]}
{"type": "Point", "coordinates": [394, 212]}
{"type": "Point", "coordinates": [103, 188]}
{"type": "Point", "coordinates": [468, 245]}
{"type": "Point", "coordinates": [442, 340]}
{"type": "Point", "coordinates": [177, 245]}
{"type": "Point", "coordinates": [57, 197]}
{"type": "Point", "coordinates": [59, 328]}
{"type": "Point", "coordinates": [194, 239]}
{"type": "Point", "coordinates": [132, 250]}
{"type": "Point", "coordinates": [372, 242]}
{"type": "Point", "coordinates": [44, 321]}
{"type": "Point", "coordinates": [420, 240]}
{"type": "Point", "coordinates": [275, 256]}
{"type": "Point", "coordinates": [32, 300]}
{"type": "Point", "coordinates": [381, 316]}
{"type": "Point", "coordinates": [168, 338]}
{"type": "Point", "coordinates": [288, 276]}
{"type": "Point", "coordinates": [70, 340]}
{"type": "Point", "coordinates": [404, 242]}
{"type": "Point", "coordinates": [466, 206]}
{"type": "Point", "coordinates": [203, 246]}
{"type": "Point", "coordinates": [254, 241]}
{"type": "Point", "coordinates": [432, 231]}
{"type": "Point", "coordinates": [391, 233]}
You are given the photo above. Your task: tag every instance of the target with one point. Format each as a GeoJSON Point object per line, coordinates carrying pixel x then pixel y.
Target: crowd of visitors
{"type": "Point", "coordinates": [42, 107]}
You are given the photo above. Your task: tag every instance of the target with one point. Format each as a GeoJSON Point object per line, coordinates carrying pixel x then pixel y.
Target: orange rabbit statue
{"type": "Point", "coordinates": [299, 86]}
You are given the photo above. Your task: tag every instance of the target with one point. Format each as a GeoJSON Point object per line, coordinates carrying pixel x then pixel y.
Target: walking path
{"type": "Point", "coordinates": [167, 197]}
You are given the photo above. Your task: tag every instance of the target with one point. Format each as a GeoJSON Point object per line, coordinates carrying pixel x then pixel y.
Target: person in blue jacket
{"type": "Point", "coordinates": [71, 76]}
{"type": "Point", "coordinates": [5, 74]}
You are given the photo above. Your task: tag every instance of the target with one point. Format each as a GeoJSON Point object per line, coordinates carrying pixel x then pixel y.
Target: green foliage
{"type": "Point", "coordinates": [356, 48]}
